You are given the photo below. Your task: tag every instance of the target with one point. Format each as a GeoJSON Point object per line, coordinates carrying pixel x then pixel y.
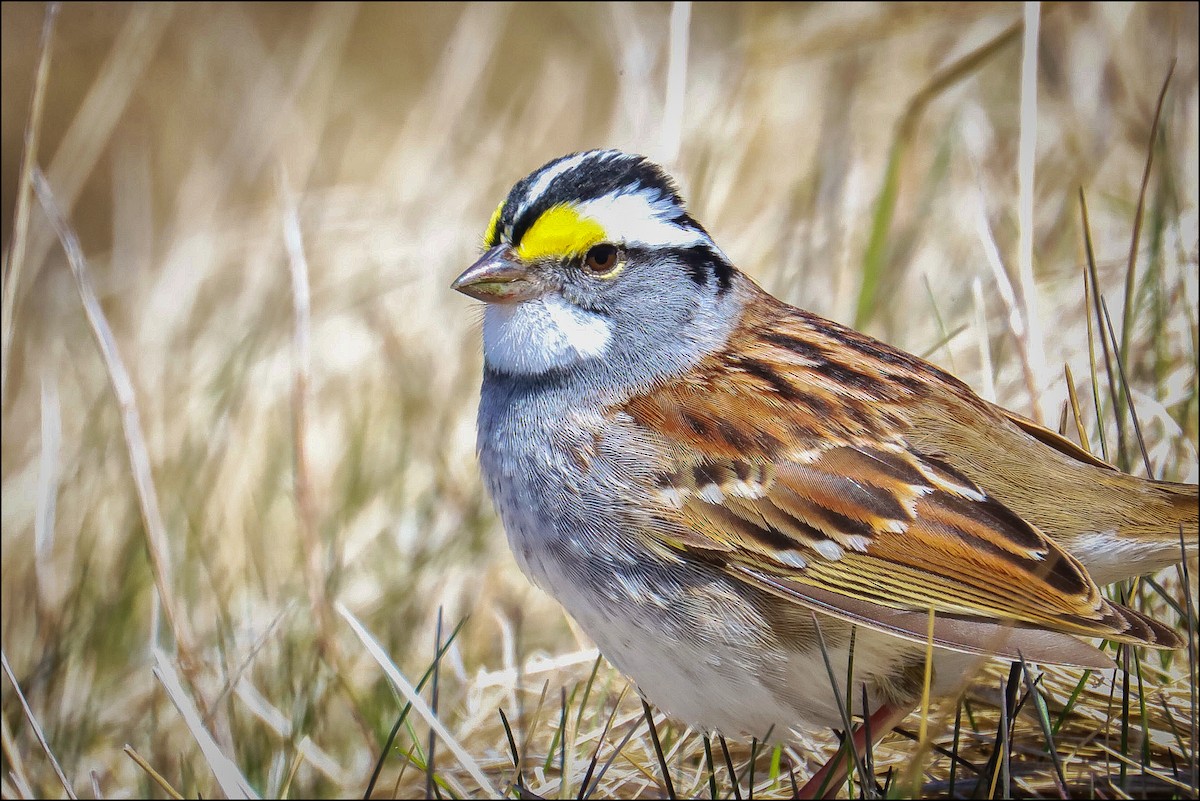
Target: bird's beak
{"type": "Point", "coordinates": [498, 277]}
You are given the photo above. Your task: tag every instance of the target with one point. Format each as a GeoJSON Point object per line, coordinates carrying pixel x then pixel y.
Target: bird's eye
{"type": "Point", "coordinates": [602, 259]}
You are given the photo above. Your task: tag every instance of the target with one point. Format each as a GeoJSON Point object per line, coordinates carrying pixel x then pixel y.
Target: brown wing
{"type": "Point", "coordinates": [787, 463]}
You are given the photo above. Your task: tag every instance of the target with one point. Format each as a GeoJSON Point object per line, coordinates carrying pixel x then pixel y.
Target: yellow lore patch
{"type": "Point", "coordinates": [490, 238]}
{"type": "Point", "coordinates": [560, 231]}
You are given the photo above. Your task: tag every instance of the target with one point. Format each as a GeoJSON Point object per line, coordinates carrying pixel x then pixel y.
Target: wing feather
{"type": "Point", "coordinates": [796, 474]}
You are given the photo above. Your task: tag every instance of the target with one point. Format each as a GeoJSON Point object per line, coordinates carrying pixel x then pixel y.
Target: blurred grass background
{"type": "Point", "coordinates": [181, 141]}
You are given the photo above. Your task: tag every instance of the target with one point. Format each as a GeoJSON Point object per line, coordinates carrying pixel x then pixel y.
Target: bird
{"type": "Point", "coordinates": [724, 490]}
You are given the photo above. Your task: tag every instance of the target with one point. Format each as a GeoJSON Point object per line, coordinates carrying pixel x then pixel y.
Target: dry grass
{"type": "Point", "coordinates": [262, 411]}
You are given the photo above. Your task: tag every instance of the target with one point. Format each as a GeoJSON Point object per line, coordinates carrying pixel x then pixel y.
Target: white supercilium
{"type": "Point", "coordinates": [634, 219]}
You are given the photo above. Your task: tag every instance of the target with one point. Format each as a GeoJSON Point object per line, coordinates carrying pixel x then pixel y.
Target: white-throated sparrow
{"type": "Point", "coordinates": [694, 468]}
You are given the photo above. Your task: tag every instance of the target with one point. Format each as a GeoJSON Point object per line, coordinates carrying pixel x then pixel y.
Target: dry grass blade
{"type": "Point", "coordinates": [306, 749]}
{"type": "Point", "coordinates": [1076, 412]}
{"type": "Point", "coordinates": [406, 689]}
{"type": "Point", "coordinates": [110, 93]}
{"type": "Point", "coordinates": [1033, 348]}
{"type": "Point", "coordinates": [673, 103]}
{"type": "Point", "coordinates": [16, 764]}
{"type": "Point", "coordinates": [157, 544]}
{"type": "Point", "coordinates": [14, 256]}
{"type": "Point", "coordinates": [613, 756]}
{"type": "Point", "coordinates": [987, 373]}
{"type": "Point", "coordinates": [875, 257]}
{"type": "Point", "coordinates": [36, 727]}
{"type": "Point", "coordinates": [49, 475]}
{"type": "Point", "coordinates": [154, 775]}
{"type": "Point", "coordinates": [1016, 316]}
{"type": "Point", "coordinates": [1093, 375]}
{"type": "Point", "coordinates": [306, 506]}
{"type": "Point", "coordinates": [232, 782]}
{"type": "Point", "coordinates": [403, 716]}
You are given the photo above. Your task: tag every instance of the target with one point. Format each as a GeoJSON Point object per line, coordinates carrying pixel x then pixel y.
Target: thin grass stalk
{"type": "Point", "coordinates": [1121, 459]}
{"type": "Point", "coordinates": [733, 777]}
{"type": "Point", "coordinates": [402, 684]}
{"type": "Point", "coordinates": [679, 30]}
{"type": "Point", "coordinates": [1043, 717]}
{"type": "Point", "coordinates": [561, 739]}
{"type": "Point", "coordinates": [1015, 315]}
{"type": "Point", "coordinates": [315, 567]}
{"type": "Point", "coordinates": [233, 678]}
{"type": "Point", "coordinates": [1119, 359]}
{"type": "Point", "coordinates": [1093, 375]}
{"type": "Point", "coordinates": [850, 702]}
{"type": "Point", "coordinates": [1192, 626]}
{"type": "Point", "coordinates": [48, 488]}
{"type": "Point", "coordinates": [403, 716]}
{"type": "Point", "coordinates": [617, 751]}
{"type": "Point", "coordinates": [285, 788]}
{"type": "Point", "coordinates": [531, 730]}
{"type": "Point", "coordinates": [848, 735]}
{"type": "Point", "coordinates": [556, 742]}
{"type": "Point", "coordinates": [1071, 701]}
{"type": "Point", "coordinates": [12, 756]}
{"type": "Point", "coordinates": [587, 692]}
{"type": "Point", "coordinates": [512, 746]}
{"type": "Point", "coordinates": [1033, 348]}
{"type": "Point", "coordinates": [585, 785]}
{"type": "Point", "coordinates": [154, 775]}
{"type": "Point", "coordinates": [230, 778]}
{"type": "Point", "coordinates": [867, 780]}
{"type": "Point", "coordinates": [750, 769]}
{"type": "Point", "coordinates": [14, 257]}
{"type": "Point", "coordinates": [1122, 768]}
{"type": "Point", "coordinates": [1076, 411]}
{"type": "Point", "coordinates": [954, 746]}
{"type": "Point", "coordinates": [157, 543]}
{"type": "Point", "coordinates": [36, 727]}
{"type": "Point", "coordinates": [404, 763]}
{"type": "Point", "coordinates": [658, 752]}
{"type": "Point", "coordinates": [987, 372]}
{"type": "Point", "coordinates": [875, 256]}
{"type": "Point", "coordinates": [712, 770]}
{"type": "Point", "coordinates": [1135, 238]}
{"type": "Point", "coordinates": [430, 789]}
{"type": "Point", "coordinates": [316, 558]}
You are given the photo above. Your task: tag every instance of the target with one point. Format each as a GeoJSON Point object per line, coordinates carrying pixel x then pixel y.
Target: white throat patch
{"type": "Point", "coordinates": [542, 334]}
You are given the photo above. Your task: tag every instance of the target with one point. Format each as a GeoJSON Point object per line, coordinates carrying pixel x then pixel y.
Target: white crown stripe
{"type": "Point", "coordinates": [542, 183]}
